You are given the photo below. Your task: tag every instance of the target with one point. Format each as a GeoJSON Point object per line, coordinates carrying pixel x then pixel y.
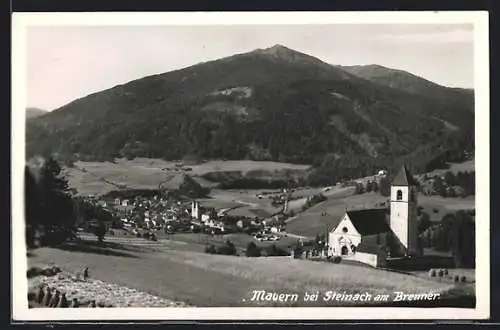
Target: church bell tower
{"type": "Point", "coordinates": [404, 204]}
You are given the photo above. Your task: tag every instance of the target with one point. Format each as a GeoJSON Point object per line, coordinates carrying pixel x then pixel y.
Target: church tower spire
{"type": "Point", "coordinates": [404, 204]}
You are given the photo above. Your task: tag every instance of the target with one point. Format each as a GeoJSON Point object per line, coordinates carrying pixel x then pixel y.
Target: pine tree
{"type": "Point", "coordinates": [56, 206]}
{"type": "Point", "coordinates": [32, 207]}
{"type": "Point", "coordinates": [385, 187]}
{"type": "Point", "coordinates": [369, 186]}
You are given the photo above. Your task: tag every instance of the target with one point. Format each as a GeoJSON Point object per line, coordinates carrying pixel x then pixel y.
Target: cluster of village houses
{"type": "Point", "coordinates": [158, 213]}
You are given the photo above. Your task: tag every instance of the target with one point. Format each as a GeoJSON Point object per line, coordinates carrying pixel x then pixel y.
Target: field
{"type": "Point", "coordinates": [144, 173]}
{"type": "Point", "coordinates": [467, 166]}
{"type": "Point", "coordinates": [431, 204]}
{"type": "Point", "coordinates": [177, 272]}
{"type": "Point", "coordinates": [312, 222]}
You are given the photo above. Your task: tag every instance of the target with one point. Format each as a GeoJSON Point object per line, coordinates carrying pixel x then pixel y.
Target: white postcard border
{"type": "Point", "coordinates": [479, 19]}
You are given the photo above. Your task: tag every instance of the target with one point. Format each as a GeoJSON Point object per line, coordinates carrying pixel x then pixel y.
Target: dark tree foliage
{"type": "Point", "coordinates": [320, 241]}
{"type": "Point", "coordinates": [252, 250]}
{"type": "Point", "coordinates": [443, 235]}
{"type": "Point", "coordinates": [100, 231]}
{"type": "Point", "coordinates": [210, 249]}
{"type": "Point", "coordinates": [424, 222]}
{"type": "Point", "coordinates": [467, 181]}
{"type": "Point", "coordinates": [462, 238]}
{"type": "Point", "coordinates": [450, 178]}
{"type": "Point", "coordinates": [56, 213]}
{"type": "Point", "coordinates": [439, 187]}
{"type": "Point", "coordinates": [385, 186]}
{"type": "Point", "coordinates": [369, 186]}
{"type": "Point", "coordinates": [247, 183]}
{"type": "Point", "coordinates": [275, 251]}
{"type": "Point", "coordinates": [32, 207]}
{"type": "Point", "coordinates": [359, 188]}
{"type": "Point", "coordinates": [226, 249]}
{"type": "Point", "coordinates": [456, 234]}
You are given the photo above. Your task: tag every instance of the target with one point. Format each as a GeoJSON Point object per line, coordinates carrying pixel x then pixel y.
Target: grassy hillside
{"type": "Point", "coordinates": [197, 278]}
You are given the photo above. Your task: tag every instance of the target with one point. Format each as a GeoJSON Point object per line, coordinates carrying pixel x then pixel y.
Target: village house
{"type": "Point", "coordinates": [373, 235]}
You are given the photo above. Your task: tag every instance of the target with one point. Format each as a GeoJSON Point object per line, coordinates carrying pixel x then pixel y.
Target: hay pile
{"type": "Point", "coordinates": [104, 294]}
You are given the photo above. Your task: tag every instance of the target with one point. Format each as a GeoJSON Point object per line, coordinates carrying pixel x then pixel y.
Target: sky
{"type": "Point", "coordinates": [64, 63]}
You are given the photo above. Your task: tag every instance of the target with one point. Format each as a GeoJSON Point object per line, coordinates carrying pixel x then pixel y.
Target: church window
{"type": "Point", "coordinates": [399, 195]}
{"type": "Point", "coordinates": [344, 230]}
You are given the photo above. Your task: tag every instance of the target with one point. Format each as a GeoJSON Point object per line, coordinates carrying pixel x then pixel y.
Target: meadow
{"type": "Point", "coordinates": [198, 279]}
{"type": "Point", "coordinates": [467, 166]}
{"type": "Point", "coordinates": [144, 173]}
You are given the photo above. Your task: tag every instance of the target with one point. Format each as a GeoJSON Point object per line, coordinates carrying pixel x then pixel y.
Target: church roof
{"type": "Point", "coordinates": [369, 221]}
{"type": "Point", "coordinates": [369, 244]}
{"type": "Point", "coordinates": [404, 178]}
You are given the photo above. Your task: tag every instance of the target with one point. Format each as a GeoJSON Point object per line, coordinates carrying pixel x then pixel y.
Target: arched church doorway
{"type": "Point", "coordinates": [344, 250]}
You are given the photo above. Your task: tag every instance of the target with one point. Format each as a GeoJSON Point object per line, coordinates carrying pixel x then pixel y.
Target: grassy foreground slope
{"type": "Point", "coordinates": [212, 280]}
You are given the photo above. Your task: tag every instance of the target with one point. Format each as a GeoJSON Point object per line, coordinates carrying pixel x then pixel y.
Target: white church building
{"type": "Point", "coordinates": [373, 235]}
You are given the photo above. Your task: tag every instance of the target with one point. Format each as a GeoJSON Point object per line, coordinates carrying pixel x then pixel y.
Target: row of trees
{"type": "Point", "coordinates": [466, 181]}
{"type": "Point", "coordinates": [456, 234]}
{"type": "Point", "coordinates": [370, 186]}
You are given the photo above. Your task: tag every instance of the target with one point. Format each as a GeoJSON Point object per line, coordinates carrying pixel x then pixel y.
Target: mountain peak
{"type": "Point", "coordinates": [278, 48]}
{"type": "Point", "coordinates": [286, 54]}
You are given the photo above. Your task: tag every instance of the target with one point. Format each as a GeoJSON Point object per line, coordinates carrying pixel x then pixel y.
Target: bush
{"type": "Point", "coordinates": [463, 279]}
{"type": "Point", "coordinates": [252, 250]}
{"type": "Point", "coordinates": [440, 273]}
{"type": "Point", "coordinates": [337, 260]}
{"type": "Point", "coordinates": [456, 278]}
{"type": "Point", "coordinates": [210, 249]}
{"type": "Point", "coordinates": [274, 251]}
{"type": "Point", "coordinates": [445, 272]}
{"type": "Point", "coordinates": [226, 249]}
{"type": "Point", "coordinates": [432, 273]}
{"type": "Point", "coordinates": [100, 231]}
{"type": "Point", "coordinates": [34, 271]}
{"type": "Point", "coordinates": [231, 249]}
